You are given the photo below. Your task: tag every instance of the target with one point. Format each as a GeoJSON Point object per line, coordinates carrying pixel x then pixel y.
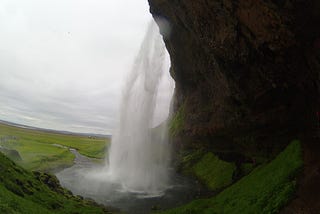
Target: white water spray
{"type": "Point", "coordinates": [137, 158]}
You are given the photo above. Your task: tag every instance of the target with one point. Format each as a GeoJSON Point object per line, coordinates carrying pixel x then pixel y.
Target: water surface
{"type": "Point", "coordinates": [88, 179]}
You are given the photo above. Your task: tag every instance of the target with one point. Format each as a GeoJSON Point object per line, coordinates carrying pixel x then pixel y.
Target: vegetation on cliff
{"type": "Point", "coordinates": [265, 190]}
{"type": "Point", "coordinates": [176, 123]}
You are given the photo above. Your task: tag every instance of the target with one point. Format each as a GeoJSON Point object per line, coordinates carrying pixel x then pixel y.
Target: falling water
{"type": "Point", "coordinates": [136, 175]}
{"type": "Point", "coordinates": [139, 155]}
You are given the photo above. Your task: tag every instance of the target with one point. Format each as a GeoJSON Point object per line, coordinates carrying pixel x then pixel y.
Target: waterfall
{"type": "Point", "coordinates": [139, 154]}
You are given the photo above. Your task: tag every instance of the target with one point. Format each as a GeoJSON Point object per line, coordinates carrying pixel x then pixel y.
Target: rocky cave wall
{"type": "Point", "coordinates": [246, 72]}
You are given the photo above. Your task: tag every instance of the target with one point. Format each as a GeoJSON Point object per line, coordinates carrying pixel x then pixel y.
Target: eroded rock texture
{"type": "Point", "coordinates": [246, 71]}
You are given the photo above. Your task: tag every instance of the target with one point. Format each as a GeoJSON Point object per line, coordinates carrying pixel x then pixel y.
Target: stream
{"type": "Point", "coordinates": [84, 179]}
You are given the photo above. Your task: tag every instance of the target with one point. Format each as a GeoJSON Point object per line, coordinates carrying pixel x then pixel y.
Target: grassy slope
{"type": "Point", "coordinates": [265, 190]}
{"type": "Point", "coordinates": [22, 192]}
{"type": "Point", "coordinates": [38, 151]}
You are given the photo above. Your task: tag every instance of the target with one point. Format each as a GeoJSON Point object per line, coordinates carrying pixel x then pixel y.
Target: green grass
{"type": "Point", "coordinates": [12, 204]}
{"type": "Point", "coordinates": [25, 192]}
{"type": "Point", "coordinates": [265, 190]}
{"type": "Point", "coordinates": [38, 149]}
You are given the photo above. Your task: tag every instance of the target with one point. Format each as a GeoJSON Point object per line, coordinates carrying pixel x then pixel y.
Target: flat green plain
{"type": "Point", "coordinates": [45, 151]}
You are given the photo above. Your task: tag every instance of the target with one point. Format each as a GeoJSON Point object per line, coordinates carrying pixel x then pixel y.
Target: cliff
{"type": "Point", "coordinates": [244, 66]}
{"type": "Point", "coordinates": [247, 75]}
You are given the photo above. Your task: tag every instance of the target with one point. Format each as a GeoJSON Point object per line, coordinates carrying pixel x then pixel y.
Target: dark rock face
{"type": "Point", "coordinates": [247, 78]}
{"type": "Point", "coordinates": [246, 71]}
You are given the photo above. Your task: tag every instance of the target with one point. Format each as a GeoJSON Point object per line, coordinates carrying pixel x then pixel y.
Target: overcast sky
{"type": "Point", "coordinates": [63, 62]}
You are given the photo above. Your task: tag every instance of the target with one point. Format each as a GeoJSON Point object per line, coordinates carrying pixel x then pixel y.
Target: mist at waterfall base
{"type": "Point", "coordinates": [137, 174]}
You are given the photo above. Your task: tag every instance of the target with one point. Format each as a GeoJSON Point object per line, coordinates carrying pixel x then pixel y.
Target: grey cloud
{"type": "Point", "coordinates": [62, 63]}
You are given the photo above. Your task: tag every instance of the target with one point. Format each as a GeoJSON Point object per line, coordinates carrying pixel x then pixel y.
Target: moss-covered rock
{"type": "Point", "coordinates": [214, 172]}
{"type": "Point", "coordinates": [265, 190]}
{"type": "Point", "coordinates": [211, 171]}
{"type": "Point", "coordinates": [25, 192]}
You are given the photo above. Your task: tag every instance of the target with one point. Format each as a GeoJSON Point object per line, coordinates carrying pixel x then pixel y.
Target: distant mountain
{"type": "Point", "coordinates": [54, 131]}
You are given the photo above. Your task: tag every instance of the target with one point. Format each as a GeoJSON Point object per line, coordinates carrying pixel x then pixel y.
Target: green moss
{"type": "Point", "coordinates": [24, 192]}
{"type": "Point", "coordinates": [214, 172]}
{"type": "Point", "coordinates": [176, 123]}
{"type": "Point", "coordinates": [207, 168]}
{"type": "Point", "coordinates": [13, 204]}
{"type": "Point", "coordinates": [265, 190]}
